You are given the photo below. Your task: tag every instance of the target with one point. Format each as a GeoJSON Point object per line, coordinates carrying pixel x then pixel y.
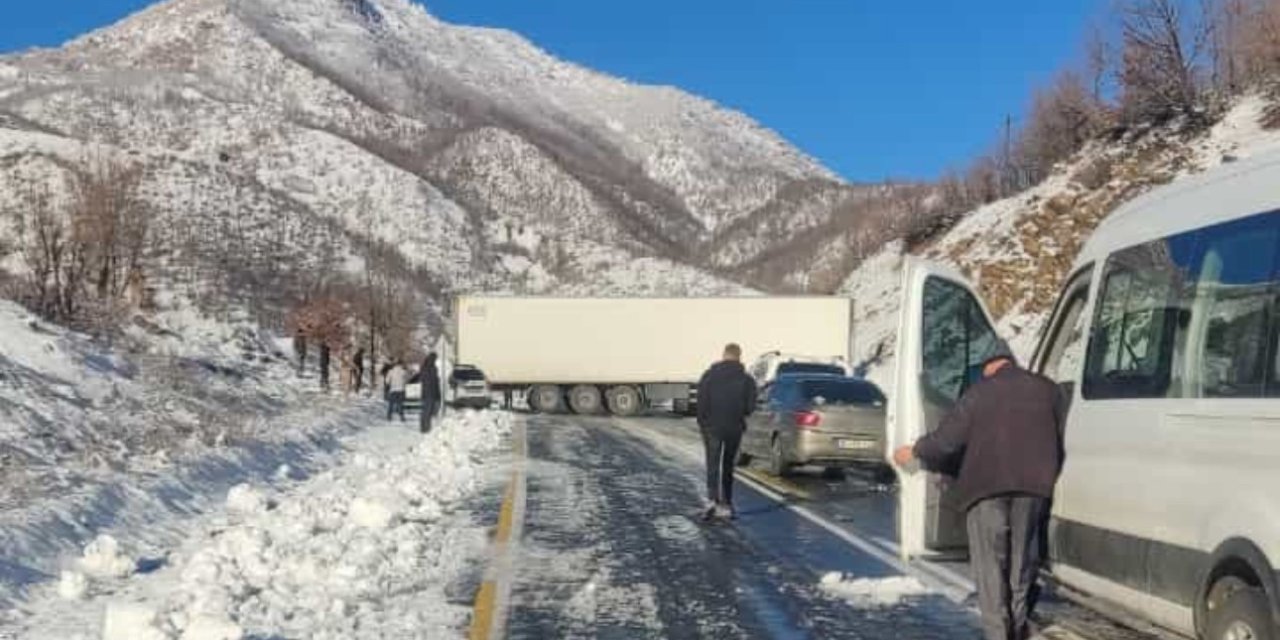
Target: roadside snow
{"type": "Point", "coordinates": [870, 593]}
{"type": "Point", "coordinates": [363, 550]}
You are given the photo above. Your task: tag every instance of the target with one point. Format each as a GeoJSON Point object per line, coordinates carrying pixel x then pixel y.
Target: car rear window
{"type": "Point", "coordinates": [842, 391]}
{"type": "Point", "coordinates": [809, 367]}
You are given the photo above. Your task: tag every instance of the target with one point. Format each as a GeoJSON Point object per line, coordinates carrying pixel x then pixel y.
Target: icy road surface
{"type": "Point", "coordinates": [612, 548]}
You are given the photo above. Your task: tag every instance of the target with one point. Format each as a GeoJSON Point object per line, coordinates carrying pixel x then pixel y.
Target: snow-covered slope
{"type": "Point", "coordinates": [486, 162]}
{"type": "Point", "coordinates": [1020, 250]}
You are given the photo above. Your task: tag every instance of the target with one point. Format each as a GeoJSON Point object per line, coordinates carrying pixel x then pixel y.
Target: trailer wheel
{"type": "Point", "coordinates": [624, 401]}
{"type": "Point", "coordinates": [585, 400]}
{"type": "Point", "coordinates": [546, 398]}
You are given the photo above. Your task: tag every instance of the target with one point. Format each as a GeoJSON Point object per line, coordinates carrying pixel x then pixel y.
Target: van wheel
{"type": "Point", "coordinates": [546, 398]}
{"type": "Point", "coordinates": [624, 401]}
{"type": "Point", "coordinates": [777, 463]}
{"type": "Point", "coordinates": [1244, 615]}
{"type": "Point", "coordinates": [585, 400]}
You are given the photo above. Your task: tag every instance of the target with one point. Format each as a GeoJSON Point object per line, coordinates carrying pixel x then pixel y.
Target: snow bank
{"type": "Point", "coordinates": [868, 593]}
{"type": "Point", "coordinates": [367, 546]}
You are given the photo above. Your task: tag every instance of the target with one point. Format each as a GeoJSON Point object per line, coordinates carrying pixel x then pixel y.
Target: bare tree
{"type": "Point", "coordinates": [111, 220]}
{"type": "Point", "coordinates": [1063, 117]}
{"type": "Point", "coordinates": [1164, 45]}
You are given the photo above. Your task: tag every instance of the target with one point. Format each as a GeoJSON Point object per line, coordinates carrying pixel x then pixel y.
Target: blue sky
{"type": "Point", "coordinates": [872, 88]}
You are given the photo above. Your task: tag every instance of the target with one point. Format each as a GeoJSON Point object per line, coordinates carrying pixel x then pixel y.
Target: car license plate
{"type": "Point", "coordinates": [856, 445]}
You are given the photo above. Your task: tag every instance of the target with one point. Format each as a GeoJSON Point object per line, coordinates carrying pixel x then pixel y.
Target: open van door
{"type": "Point", "coordinates": [944, 333]}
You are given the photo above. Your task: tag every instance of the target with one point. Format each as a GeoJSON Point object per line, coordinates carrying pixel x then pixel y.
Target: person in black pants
{"type": "Point", "coordinates": [431, 394]}
{"type": "Point", "coordinates": [726, 396]}
{"type": "Point", "coordinates": [1006, 432]}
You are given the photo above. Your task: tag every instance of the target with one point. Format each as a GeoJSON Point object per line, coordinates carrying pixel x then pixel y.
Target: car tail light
{"type": "Point", "coordinates": [807, 419]}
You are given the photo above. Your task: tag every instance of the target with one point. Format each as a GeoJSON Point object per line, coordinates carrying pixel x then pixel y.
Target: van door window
{"type": "Point", "coordinates": [1140, 323]}
{"type": "Point", "coordinates": [1232, 310]}
{"type": "Point", "coordinates": [956, 337]}
{"type": "Point", "coordinates": [1064, 356]}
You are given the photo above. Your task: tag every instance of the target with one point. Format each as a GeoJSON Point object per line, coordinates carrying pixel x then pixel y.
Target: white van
{"type": "Point", "coordinates": [1165, 340]}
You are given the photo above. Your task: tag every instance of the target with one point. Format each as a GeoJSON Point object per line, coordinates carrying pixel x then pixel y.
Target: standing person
{"type": "Point", "coordinates": [1006, 433]}
{"type": "Point", "coordinates": [726, 396]}
{"type": "Point", "coordinates": [324, 366]}
{"type": "Point", "coordinates": [358, 364]}
{"type": "Point", "coordinates": [300, 349]}
{"type": "Point", "coordinates": [430, 378]}
{"type": "Point", "coordinates": [397, 380]}
{"type": "Point", "coordinates": [386, 387]}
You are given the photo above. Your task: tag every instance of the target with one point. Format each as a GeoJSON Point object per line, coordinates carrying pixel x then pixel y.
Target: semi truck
{"type": "Point", "coordinates": [624, 355]}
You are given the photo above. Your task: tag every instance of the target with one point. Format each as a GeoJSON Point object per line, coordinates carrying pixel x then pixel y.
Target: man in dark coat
{"type": "Point", "coordinates": [726, 396]}
{"type": "Point", "coordinates": [1006, 432]}
{"type": "Point", "coordinates": [431, 394]}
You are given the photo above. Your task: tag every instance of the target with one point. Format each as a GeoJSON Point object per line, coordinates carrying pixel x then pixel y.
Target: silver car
{"type": "Point", "coordinates": [822, 420]}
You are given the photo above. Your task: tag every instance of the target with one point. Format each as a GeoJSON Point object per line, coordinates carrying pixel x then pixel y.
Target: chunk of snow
{"type": "Point", "coordinates": [872, 592]}
{"type": "Point", "coordinates": [73, 585]}
{"type": "Point", "coordinates": [131, 621]}
{"type": "Point", "coordinates": [103, 559]}
{"type": "Point", "coordinates": [245, 499]}
{"type": "Point", "coordinates": [371, 514]}
{"type": "Point", "coordinates": [210, 628]}
{"type": "Point", "coordinates": [283, 473]}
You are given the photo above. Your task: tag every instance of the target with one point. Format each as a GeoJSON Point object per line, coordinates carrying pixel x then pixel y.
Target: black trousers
{"type": "Point", "coordinates": [430, 407]}
{"type": "Point", "coordinates": [395, 404]}
{"type": "Point", "coordinates": [722, 453]}
{"type": "Point", "coordinates": [1005, 546]}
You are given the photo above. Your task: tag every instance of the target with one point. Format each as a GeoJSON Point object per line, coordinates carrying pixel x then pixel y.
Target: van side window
{"type": "Point", "coordinates": [1064, 358]}
{"type": "Point", "coordinates": [1139, 324]}
{"type": "Point", "coordinates": [956, 337]}
{"type": "Point", "coordinates": [1233, 310]}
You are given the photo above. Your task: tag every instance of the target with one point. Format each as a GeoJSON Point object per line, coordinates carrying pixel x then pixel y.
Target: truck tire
{"type": "Point", "coordinates": [585, 400]}
{"type": "Point", "coordinates": [624, 401]}
{"type": "Point", "coordinates": [546, 398]}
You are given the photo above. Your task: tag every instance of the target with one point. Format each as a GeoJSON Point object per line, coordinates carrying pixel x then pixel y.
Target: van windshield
{"type": "Point", "coordinates": [468, 375]}
{"type": "Point", "coordinates": [842, 391]}
{"type": "Point", "coordinates": [809, 367]}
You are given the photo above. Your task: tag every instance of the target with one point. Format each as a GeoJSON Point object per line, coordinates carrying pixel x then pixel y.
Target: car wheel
{"type": "Point", "coordinates": [885, 475]}
{"type": "Point", "coordinates": [1244, 615]}
{"type": "Point", "coordinates": [585, 400]}
{"type": "Point", "coordinates": [777, 463]}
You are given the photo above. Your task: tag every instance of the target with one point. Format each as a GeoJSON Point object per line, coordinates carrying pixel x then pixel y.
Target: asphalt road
{"type": "Point", "coordinates": [612, 548]}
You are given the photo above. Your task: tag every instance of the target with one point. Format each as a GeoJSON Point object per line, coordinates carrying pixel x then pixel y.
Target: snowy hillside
{"type": "Point", "coordinates": [1020, 250]}
{"type": "Point", "coordinates": [322, 126]}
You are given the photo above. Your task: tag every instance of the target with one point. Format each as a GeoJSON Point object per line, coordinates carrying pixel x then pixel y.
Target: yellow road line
{"type": "Point", "coordinates": [781, 485]}
{"type": "Point", "coordinates": [485, 610]}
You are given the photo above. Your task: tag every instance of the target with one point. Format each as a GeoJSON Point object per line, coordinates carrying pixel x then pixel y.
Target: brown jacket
{"type": "Point", "coordinates": [1005, 434]}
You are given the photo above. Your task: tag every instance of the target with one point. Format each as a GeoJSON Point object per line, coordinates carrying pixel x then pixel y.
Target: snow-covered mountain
{"type": "Point", "coordinates": [299, 132]}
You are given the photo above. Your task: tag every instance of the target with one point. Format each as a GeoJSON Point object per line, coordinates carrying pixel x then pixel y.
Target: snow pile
{"type": "Point", "coordinates": [245, 499]}
{"type": "Point", "coordinates": [867, 593]}
{"type": "Point", "coordinates": [368, 546]}
{"type": "Point", "coordinates": [73, 585]}
{"type": "Point", "coordinates": [103, 559]}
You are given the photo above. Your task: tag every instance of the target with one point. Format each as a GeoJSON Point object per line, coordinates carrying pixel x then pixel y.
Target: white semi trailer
{"type": "Point", "coordinates": [620, 355]}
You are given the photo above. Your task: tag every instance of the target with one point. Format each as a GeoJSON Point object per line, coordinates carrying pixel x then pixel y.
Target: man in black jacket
{"type": "Point", "coordinates": [726, 396]}
{"type": "Point", "coordinates": [431, 395]}
{"type": "Point", "coordinates": [1006, 432]}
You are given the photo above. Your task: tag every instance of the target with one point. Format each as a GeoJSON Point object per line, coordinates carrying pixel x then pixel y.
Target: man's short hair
{"type": "Point", "coordinates": [732, 351]}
